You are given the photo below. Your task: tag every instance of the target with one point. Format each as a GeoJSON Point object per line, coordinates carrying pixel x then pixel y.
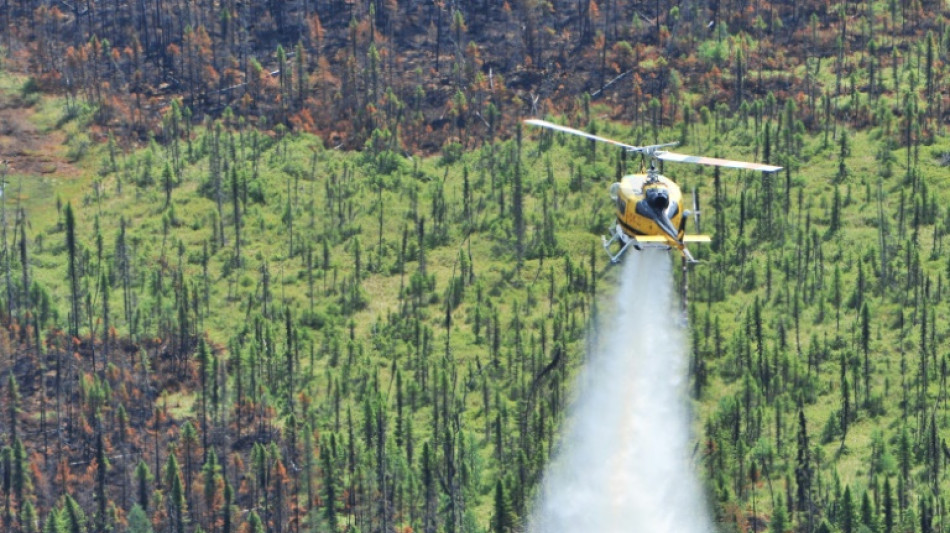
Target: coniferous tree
{"type": "Point", "coordinates": [6, 484]}
{"type": "Point", "coordinates": [205, 374]}
{"type": "Point", "coordinates": [72, 270]}
{"type": "Point", "coordinates": [168, 183]}
{"type": "Point", "coordinates": [502, 518]}
{"type": "Point", "coordinates": [847, 520]}
{"type": "Point", "coordinates": [143, 476]}
{"type": "Point", "coordinates": [865, 347]}
{"type": "Point", "coordinates": [176, 495]}
{"type": "Point", "coordinates": [844, 150]}
{"type": "Point", "coordinates": [211, 479]}
{"type": "Point", "coordinates": [428, 485]}
{"type": "Point", "coordinates": [102, 465]}
{"type": "Point", "coordinates": [73, 517]}
{"type": "Point", "coordinates": [13, 405]}
{"type": "Point", "coordinates": [888, 505]}
{"type": "Point", "coordinates": [868, 513]}
{"type": "Point", "coordinates": [835, 224]}
{"type": "Point", "coordinates": [779, 523]}
{"type": "Point", "coordinates": [803, 468]}
{"type": "Point", "coordinates": [254, 523]}
{"type": "Point", "coordinates": [29, 521]}
{"type": "Point", "coordinates": [53, 522]}
{"type": "Point", "coordinates": [227, 512]}
{"type": "Point", "coordinates": [330, 483]}
{"type": "Point", "coordinates": [236, 205]}
{"type": "Point", "coordinates": [517, 200]}
{"type": "Point", "coordinates": [739, 75]}
{"type": "Point", "coordinates": [138, 521]}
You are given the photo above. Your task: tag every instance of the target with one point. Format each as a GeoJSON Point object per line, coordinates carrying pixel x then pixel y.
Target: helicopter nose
{"type": "Point", "coordinates": [667, 228]}
{"type": "Point", "coordinates": [663, 221]}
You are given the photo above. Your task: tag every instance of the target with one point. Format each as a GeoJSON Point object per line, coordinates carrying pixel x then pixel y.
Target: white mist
{"type": "Point", "coordinates": [623, 463]}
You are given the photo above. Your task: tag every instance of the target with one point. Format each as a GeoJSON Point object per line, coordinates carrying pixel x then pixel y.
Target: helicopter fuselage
{"type": "Point", "coordinates": [650, 214]}
{"type": "Point", "coordinates": [646, 207]}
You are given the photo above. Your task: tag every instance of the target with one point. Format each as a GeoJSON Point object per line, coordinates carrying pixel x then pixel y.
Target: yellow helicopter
{"type": "Point", "coordinates": [649, 206]}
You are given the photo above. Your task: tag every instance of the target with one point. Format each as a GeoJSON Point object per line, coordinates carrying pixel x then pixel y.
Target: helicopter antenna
{"type": "Point", "coordinates": [656, 151]}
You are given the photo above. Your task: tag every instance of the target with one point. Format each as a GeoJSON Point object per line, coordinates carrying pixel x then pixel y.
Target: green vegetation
{"type": "Point", "coordinates": [383, 329]}
{"type": "Point", "coordinates": [379, 331]}
{"type": "Point", "coordinates": [226, 324]}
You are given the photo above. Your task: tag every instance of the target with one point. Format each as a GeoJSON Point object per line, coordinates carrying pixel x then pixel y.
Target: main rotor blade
{"type": "Point", "coordinates": [713, 161]}
{"type": "Point", "coordinates": [654, 150]}
{"type": "Point", "coordinates": [572, 131]}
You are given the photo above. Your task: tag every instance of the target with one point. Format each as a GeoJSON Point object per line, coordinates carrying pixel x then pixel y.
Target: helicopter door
{"type": "Point", "coordinates": [618, 201]}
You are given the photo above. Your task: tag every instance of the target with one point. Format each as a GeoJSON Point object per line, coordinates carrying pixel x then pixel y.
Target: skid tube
{"type": "Point", "coordinates": [617, 234]}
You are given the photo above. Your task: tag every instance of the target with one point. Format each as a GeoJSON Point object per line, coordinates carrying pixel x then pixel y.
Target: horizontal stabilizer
{"type": "Point", "coordinates": [697, 238]}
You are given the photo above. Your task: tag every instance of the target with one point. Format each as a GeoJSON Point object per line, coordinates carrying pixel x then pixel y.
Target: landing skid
{"type": "Point", "coordinates": [627, 241]}
{"type": "Point", "coordinates": [608, 243]}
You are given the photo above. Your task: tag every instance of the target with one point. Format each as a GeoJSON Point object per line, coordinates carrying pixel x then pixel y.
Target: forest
{"type": "Point", "coordinates": [295, 265]}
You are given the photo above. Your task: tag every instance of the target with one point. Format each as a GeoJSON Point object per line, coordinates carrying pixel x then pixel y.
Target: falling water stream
{"type": "Point", "coordinates": [623, 463]}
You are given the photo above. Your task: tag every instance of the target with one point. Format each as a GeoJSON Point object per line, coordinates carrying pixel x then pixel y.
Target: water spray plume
{"type": "Point", "coordinates": [623, 463]}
